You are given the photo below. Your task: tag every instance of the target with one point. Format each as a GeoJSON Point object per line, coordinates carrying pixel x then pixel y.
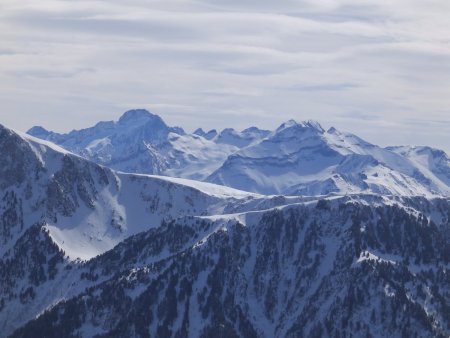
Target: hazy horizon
{"type": "Point", "coordinates": [325, 125]}
{"type": "Point", "coordinates": [376, 69]}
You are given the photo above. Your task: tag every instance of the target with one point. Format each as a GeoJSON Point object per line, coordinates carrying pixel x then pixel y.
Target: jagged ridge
{"type": "Point", "coordinates": [297, 158]}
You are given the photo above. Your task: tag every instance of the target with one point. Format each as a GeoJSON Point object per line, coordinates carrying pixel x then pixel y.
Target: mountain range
{"type": "Point", "coordinates": [297, 158]}
{"type": "Point", "coordinates": [334, 237]}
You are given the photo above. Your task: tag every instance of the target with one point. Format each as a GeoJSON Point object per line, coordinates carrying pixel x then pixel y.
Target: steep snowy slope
{"type": "Point", "coordinates": [241, 139]}
{"type": "Point", "coordinates": [58, 209]}
{"type": "Point", "coordinates": [303, 158]}
{"type": "Point", "coordinates": [364, 266]}
{"type": "Point", "coordinates": [127, 145]}
{"type": "Point", "coordinates": [194, 157]}
{"type": "Point", "coordinates": [435, 161]}
{"type": "Point", "coordinates": [141, 142]}
{"type": "Point", "coordinates": [233, 137]}
{"type": "Point", "coordinates": [88, 208]}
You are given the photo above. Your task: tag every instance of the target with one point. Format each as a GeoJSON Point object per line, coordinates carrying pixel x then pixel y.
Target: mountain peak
{"type": "Point", "coordinates": [313, 124]}
{"type": "Point", "coordinates": [333, 131]}
{"type": "Point", "coordinates": [228, 131]}
{"type": "Point", "coordinates": [310, 124]}
{"type": "Point", "coordinates": [134, 115]}
{"type": "Point", "coordinates": [288, 124]}
{"type": "Point", "coordinates": [199, 132]}
{"type": "Point", "coordinates": [38, 131]}
{"type": "Point", "coordinates": [207, 135]}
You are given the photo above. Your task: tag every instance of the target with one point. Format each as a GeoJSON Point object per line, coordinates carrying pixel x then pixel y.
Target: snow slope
{"type": "Point", "coordinates": [304, 159]}
{"type": "Point", "coordinates": [87, 208]}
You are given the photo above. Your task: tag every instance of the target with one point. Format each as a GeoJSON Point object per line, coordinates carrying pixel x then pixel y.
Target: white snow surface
{"type": "Point", "coordinates": [297, 158]}
{"type": "Point", "coordinates": [303, 159]}
{"type": "Point", "coordinates": [140, 203]}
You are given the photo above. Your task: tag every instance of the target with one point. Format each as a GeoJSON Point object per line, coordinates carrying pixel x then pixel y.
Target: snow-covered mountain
{"type": "Point", "coordinates": [298, 158]}
{"type": "Point", "coordinates": [127, 145]}
{"type": "Point", "coordinates": [240, 139]}
{"type": "Point", "coordinates": [141, 142]}
{"type": "Point", "coordinates": [74, 209]}
{"type": "Point", "coordinates": [171, 257]}
{"type": "Point", "coordinates": [233, 137]}
{"type": "Point", "coordinates": [335, 267]}
{"type": "Point", "coordinates": [304, 159]}
{"type": "Point", "coordinates": [435, 161]}
{"type": "Point", "coordinates": [63, 189]}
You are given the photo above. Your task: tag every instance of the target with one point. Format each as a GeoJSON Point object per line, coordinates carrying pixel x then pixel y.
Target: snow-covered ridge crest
{"type": "Point", "coordinates": [302, 124]}
{"type": "Point", "coordinates": [304, 159]}
{"type": "Point", "coordinates": [88, 208]}
{"type": "Point", "coordinates": [296, 158]}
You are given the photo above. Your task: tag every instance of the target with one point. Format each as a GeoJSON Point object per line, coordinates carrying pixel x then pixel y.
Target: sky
{"type": "Point", "coordinates": [377, 68]}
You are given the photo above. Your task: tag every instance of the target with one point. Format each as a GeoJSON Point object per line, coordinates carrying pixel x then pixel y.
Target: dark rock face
{"type": "Point", "coordinates": [17, 160]}
{"type": "Point", "coordinates": [334, 269]}
{"type": "Point", "coordinates": [72, 184]}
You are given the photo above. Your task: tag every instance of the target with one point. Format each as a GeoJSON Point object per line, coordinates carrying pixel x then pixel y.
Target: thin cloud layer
{"type": "Point", "coordinates": [377, 68]}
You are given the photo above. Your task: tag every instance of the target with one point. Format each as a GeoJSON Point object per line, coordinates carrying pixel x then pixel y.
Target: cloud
{"type": "Point", "coordinates": [358, 65]}
{"type": "Point", "coordinates": [49, 73]}
{"type": "Point", "coordinates": [324, 87]}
